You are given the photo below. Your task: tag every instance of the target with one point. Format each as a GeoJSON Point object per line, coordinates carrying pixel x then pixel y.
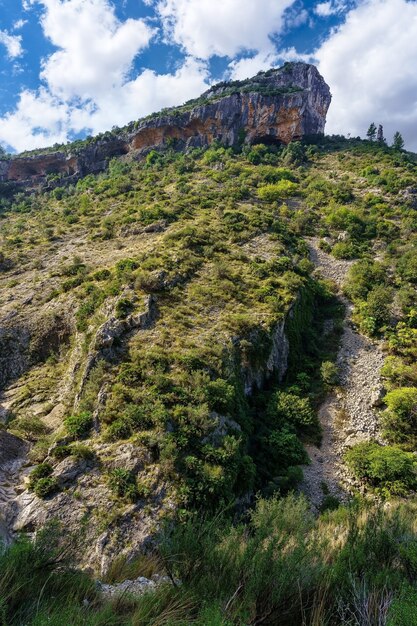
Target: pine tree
{"type": "Point", "coordinates": [371, 132]}
{"type": "Point", "coordinates": [398, 141]}
{"type": "Point", "coordinates": [380, 134]}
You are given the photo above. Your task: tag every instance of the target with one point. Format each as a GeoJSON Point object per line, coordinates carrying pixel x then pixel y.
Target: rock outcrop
{"type": "Point", "coordinates": [277, 106]}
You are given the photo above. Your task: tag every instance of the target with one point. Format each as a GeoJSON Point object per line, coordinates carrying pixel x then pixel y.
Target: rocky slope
{"type": "Point", "coordinates": [348, 415]}
{"type": "Point", "coordinates": [277, 106]}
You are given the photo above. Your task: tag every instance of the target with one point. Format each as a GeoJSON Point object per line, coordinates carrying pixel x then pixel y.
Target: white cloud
{"type": "Point", "coordinates": [13, 44]}
{"type": "Point", "coordinates": [95, 50]}
{"type": "Point", "coordinates": [249, 66]}
{"type": "Point", "coordinates": [294, 17]}
{"type": "Point", "coordinates": [39, 120]}
{"type": "Point", "coordinates": [88, 82]}
{"type": "Point", "coordinates": [19, 24]}
{"type": "Point", "coordinates": [324, 9]}
{"type": "Point", "coordinates": [205, 28]}
{"type": "Point", "coordinates": [333, 7]}
{"type": "Point", "coordinates": [369, 62]}
{"type": "Point", "coordinates": [146, 93]}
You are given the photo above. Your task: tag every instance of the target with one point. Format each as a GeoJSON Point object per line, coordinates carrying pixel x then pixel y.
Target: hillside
{"type": "Point", "coordinates": [280, 105]}
{"type": "Point", "coordinates": [183, 331]}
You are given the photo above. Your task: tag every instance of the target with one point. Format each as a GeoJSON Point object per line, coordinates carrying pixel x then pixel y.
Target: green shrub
{"type": "Point", "coordinates": [277, 191]}
{"type": "Point", "coordinates": [294, 153]}
{"type": "Point", "coordinates": [61, 451]}
{"type": "Point", "coordinates": [123, 484]}
{"type": "Point", "coordinates": [402, 611]}
{"type": "Point", "coordinates": [31, 428]}
{"type": "Point", "coordinates": [375, 313]}
{"type": "Point", "coordinates": [387, 469]}
{"type": "Point", "coordinates": [344, 250]}
{"type": "Point", "coordinates": [103, 274]}
{"type": "Point", "coordinates": [43, 470]}
{"type": "Point", "coordinates": [38, 585]}
{"type": "Point", "coordinates": [45, 487]}
{"type": "Point", "coordinates": [82, 452]}
{"type": "Point", "coordinates": [79, 425]}
{"type": "Point", "coordinates": [126, 265]}
{"type": "Point", "coordinates": [124, 306]}
{"type": "Point", "coordinates": [362, 277]}
{"type": "Point", "coordinates": [329, 373]}
{"type": "Point", "coordinates": [407, 266]}
{"type": "Point", "coordinates": [291, 409]}
{"type": "Point", "coordinates": [119, 429]}
{"type": "Point", "coordinates": [400, 418]}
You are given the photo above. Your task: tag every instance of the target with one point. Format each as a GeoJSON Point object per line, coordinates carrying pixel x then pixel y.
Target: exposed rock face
{"type": "Point", "coordinates": [276, 106]}
{"type": "Point", "coordinates": [276, 363]}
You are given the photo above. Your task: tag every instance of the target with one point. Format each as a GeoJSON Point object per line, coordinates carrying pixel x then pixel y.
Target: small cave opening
{"type": "Point", "coordinates": [267, 140]}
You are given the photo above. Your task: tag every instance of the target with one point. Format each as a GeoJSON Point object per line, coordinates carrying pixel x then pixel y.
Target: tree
{"type": "Point", "coordinates": [371, 132]}
{"type": "Point", "coordinates": [380, 134]}
{"type": "Point", "coordinates": [398, 141]}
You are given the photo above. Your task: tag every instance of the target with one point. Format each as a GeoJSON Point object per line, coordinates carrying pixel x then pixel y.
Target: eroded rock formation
{"type": "Point", "coordinates": [279, 106]}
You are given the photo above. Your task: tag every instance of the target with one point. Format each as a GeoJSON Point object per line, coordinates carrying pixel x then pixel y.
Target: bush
{"type": "Point", "coordinates": [400, 418]}
{"type": "Point", "coordinates": [375, 313]}
{"type": "Point", "coordinates": [277, 191]}
{"type": "Point", "coordinates": [41, 482]}
{"type": "Point", "coordinates": [329, 373]}
{"type": "Point", "coordinates": [36, 581]}
{"type": "Point", "coordinates": [291, 409]}
{"type": "Point", "coordinates": [82, 452]}
{"type": "Point", "coordinates": [61, 452]}
{"type": "Point", "coordinates": [124, 306]}
{"type": "Point", "coordinates": [45, 487]}
{"type": "Point", "coordinates": [387, 469]}
{"type": "Point", "coordinates": [123, 484]}
{"type": "Point", "coordinates": [119, 429]}
{"type": "Point", "coordinates": [344, 250]}
{"type": "Point", "coordinates": [407, 266]}
{"type": "Point", "coordinates": [362, 277]}
{"type": "Point", "coordinates": [43, 470]}
{"type": "Point", "coordinates": [79, 425]}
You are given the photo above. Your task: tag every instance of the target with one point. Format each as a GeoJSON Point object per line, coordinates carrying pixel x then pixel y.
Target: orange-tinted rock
{"type": "Point", "coordinates": [280, 106]}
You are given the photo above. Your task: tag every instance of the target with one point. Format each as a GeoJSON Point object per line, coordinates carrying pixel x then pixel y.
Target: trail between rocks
{"type": "Point", "coordinates": [348, 415]}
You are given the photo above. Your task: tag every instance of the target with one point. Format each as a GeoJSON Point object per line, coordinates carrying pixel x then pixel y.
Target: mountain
{"type": "Point", "coordinates": [208, 380]}
{"type": "Point", "coordinates": [280, 105]}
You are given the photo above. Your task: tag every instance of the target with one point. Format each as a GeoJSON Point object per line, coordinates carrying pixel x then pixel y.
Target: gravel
{"type": "Point", "coordinates": [348, 415]}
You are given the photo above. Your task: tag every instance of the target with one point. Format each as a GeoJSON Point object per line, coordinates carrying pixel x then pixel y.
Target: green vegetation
{"type": "Point", "coordinates": [79, 425]}
{"type": "Point", "coordinates": [217, 237]}
{"type": "Point", "coordinates": [387, 469]}
{"type": "Point", "coordinates": [281, 566]}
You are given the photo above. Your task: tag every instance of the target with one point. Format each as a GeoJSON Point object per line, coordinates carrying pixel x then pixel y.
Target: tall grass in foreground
{"type": "Point", "coordinates": [355, 566]}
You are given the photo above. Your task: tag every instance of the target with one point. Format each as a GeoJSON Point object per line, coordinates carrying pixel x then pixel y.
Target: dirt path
{"type": "Point", "coordinates": [348, 415]}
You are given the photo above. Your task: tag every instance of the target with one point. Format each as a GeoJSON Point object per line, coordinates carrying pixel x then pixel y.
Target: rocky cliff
{"type": "Point", "coordinates": [277, 106]}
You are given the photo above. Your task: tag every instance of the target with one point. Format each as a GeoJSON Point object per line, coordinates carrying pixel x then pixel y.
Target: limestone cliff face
{"type": "Point", "coordinates": [279, 106]}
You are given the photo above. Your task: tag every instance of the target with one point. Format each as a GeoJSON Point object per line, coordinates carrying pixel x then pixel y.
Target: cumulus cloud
{"type": "Point", "coordinates": [38, 120]}
{"type": "Point", "coordinates": [13, 44]}
{"type": "Point", "coordinates": [146, 93]}
{"type": "Point", "coordinates": [249, 66]}
{"type": "Point", "coordinates": [369, 62]}
{"type": "Point", "coordinates": [95, 50]}
{"type": "Point", "coordinates": [205, 28]}
{"type": "Point", "coordinates": [87, 82]}
{"type": "Point", "coordinates": [333, 7]}
{"type": "Point", "coordinates": [246, 67]}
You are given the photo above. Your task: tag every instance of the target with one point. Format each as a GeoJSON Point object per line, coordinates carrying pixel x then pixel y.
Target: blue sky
{"type": "Point", "coordinates": [75, 67]}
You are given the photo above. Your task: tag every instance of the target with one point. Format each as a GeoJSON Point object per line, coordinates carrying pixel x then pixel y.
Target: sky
{"type": "Point", "coordinates": [72, 68]}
